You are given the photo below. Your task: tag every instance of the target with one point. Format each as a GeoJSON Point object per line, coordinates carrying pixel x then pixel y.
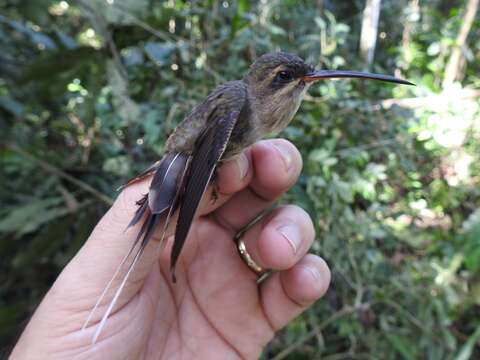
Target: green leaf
{"type": "Point", "coordinates": [36, 37]}
{"type": "Point", "coordinates": [12, 106]}
{"type": "Point", "coordinates": [319, 155]}
{"type": "Point", "coordinates": [276, 30]}
{"type": "Point", "coordinates": [237, 22]}
{"type": "Point", "coordinates": [57, 62]}
{"type": "Point", "coordinates": [471, 241]}
{"type": "Point", "coordinates": [117, 165]}
{"type": "Point", "coordinates": [29, 217]}
{"type": "Point", "coordinates": [466, 351]}
{"type": "Point", "coordinates": [160, 52]}
{"type": "Point", "coordinates": [122, 11]}
{"type": "Point", "coordinates": [344, 191]}
{"type": "Point", "coordinates": [402, 345]}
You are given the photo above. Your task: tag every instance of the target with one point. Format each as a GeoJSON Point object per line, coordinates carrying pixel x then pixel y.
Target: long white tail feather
{"type": "Point", "coordinates": [164, 231]}
{"type": "Point", "coordinates": [116, 296]}
{"type": "Point", "coordinates": [155, 211]}
{"type": "Point", "coordinates": [105, 290]}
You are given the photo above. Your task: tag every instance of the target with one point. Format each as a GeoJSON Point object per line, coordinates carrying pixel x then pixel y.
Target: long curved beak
{"type": "Point", "coordinates": [332, 74]}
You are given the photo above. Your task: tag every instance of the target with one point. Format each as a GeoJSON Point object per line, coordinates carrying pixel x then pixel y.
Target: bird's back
{"type": "Point", "coordinates": [221, 99]}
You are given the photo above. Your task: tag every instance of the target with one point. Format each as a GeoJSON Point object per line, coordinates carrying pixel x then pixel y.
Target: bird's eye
{"type": "Point", "coordinates": [284, 76]}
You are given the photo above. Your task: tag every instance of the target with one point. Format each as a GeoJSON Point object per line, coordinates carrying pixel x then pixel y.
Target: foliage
{"type": "Point", "coordinates": [89, 91]}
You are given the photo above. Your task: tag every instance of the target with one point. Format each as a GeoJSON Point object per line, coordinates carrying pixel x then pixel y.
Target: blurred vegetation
{"type": "Point", "coordinates": [89, 91]}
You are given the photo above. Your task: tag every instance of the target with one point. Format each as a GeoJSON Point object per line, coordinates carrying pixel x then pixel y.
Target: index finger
{"type": "Point", "coordinates": [277, 164]}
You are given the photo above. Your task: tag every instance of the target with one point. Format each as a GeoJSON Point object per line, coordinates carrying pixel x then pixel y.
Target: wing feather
{"type": "Point", "coordinates": [208, 152]}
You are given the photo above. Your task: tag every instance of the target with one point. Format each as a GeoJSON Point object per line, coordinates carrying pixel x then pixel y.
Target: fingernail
{"type": "Point", "coordinates": [243, 164]}
{"type": "Point", "coordinates": [314, 272]}
{"type": "Point", "coordinates": [292, 236]}
{"type": "Point", "coordinates": [285, 153]}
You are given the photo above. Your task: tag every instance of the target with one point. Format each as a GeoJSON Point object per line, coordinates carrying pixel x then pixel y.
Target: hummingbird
{"type": "Point", "coordinates": [232, 117]}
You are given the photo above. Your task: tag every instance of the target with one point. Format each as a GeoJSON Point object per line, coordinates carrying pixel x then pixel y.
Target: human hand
{"type": "Point", "coordinates": [216, 310]}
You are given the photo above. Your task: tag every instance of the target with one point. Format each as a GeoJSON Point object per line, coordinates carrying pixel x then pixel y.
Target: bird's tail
{"type": "Point", "coordinates": [155, 207]}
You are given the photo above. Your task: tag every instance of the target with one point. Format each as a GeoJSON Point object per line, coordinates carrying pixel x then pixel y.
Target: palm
{"type": "Point", "coordinates": [214, 308]}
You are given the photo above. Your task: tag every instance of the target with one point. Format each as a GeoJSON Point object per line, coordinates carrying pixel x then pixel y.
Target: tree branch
{"type": "Point", "coordinates": [347, 310]}
{"type": "Point", "coordinates": [452, 71]}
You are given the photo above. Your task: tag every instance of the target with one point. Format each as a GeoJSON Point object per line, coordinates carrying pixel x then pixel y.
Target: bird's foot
{"type": "Point", "coordinates": [215, 192]}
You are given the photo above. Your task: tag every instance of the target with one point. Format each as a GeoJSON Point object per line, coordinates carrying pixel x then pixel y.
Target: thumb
{"type": "Point", "coordinates": [84, 279]}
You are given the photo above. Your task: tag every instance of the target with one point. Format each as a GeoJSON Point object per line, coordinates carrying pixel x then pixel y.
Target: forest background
{"type": "Point", "coordinates": [90, 90]}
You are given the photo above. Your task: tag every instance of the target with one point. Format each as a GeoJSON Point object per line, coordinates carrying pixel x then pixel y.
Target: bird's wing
{"type": "Point", "coordinates": [208, 151]}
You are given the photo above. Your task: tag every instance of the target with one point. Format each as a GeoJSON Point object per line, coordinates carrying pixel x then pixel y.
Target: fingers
{"type": "Point", "coordinates": [280, 242]}
{"type": "Point", "coordinates": [284, 295]}
{"type": "Point", "coordinates": [276, 165]}
{"type": "Point", "coordinates": [280, 239]}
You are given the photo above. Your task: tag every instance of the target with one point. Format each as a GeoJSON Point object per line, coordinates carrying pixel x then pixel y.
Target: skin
{"type": "Point", "coordinates": [216, 310]}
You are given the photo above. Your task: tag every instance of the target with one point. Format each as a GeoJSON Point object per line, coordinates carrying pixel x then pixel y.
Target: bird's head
{"type": "Point", "coordinates": [279, 80]}
{"type": "Point", "coordinates": [286, 73]}
{"type": "Point", "coordinates": [278, 75]}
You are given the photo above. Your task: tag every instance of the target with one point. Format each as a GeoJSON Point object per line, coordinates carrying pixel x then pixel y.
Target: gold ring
{"type": "Point", "coordinates": [242, 249]}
